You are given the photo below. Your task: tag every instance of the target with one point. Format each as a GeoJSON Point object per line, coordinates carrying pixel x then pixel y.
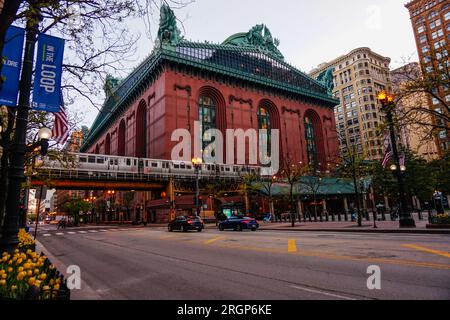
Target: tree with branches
{"type": "Point", "coordinates": [416, 84]}
{"type": "Point", "coordinates": [291, 172]}
{"type": "Point", "coordinates": [98, 42]}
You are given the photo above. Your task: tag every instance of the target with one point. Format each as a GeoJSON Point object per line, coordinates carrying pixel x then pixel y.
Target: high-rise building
{"type": "Point", "coordinates": [73, 144]}
{"type": "Point", "coordinates": [358, 77]}
{"type": "Point", "coordinates": [415, 136]}
{"type": "Point", "coordinates": [431, 24]}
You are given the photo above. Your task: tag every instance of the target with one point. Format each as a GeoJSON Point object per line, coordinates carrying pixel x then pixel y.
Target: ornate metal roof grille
{"type": "Point", "coordinates": [250, 63]}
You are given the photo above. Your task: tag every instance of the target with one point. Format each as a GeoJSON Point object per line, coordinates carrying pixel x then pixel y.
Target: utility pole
{"type": "Point", "coordinates": [16, 177]}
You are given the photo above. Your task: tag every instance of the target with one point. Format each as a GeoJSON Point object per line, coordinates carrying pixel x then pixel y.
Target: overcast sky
{"type": "Point", "coordinates": [310, 32]}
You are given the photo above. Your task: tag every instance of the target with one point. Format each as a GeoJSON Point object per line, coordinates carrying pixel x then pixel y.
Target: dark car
{"type": "Point", "coordinates": [185, 224]}
{"type": "Point", "coordinates": [239, 223]}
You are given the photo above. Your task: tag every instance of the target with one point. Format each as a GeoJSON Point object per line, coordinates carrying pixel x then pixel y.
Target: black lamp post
{"type": "Point", "coordinates": [388, 105]}
{"type": "Point", "coordinates": [197, 163]}
{"type": "Point", "coordinates": [17, 149]}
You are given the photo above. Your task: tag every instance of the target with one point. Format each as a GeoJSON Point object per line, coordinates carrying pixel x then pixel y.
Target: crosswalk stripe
{"type": "Point", "coordinates": [71, 232]}
{"type": "Point", "coordinates": [82, 232]}
{"type": "Point", "coordinates": [59, 234]}
{"type": "Point", "coordinates": [93, 231]}
{"type": "Point", "coordinates": [46, 234]}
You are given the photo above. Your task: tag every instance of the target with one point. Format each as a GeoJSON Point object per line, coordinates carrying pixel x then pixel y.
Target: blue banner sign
{"type": "Point", "coordinates": [11, 65]}
{"type": "Point", "coordinates": [47, 80]}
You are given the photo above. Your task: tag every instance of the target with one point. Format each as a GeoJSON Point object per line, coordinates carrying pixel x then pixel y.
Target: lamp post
{"type": "Point", "coordinates": [17, 149]}
{"type": "Point", "coordinates": [388, 105]}
{"type": "Point", "coordinates": [197, 163]}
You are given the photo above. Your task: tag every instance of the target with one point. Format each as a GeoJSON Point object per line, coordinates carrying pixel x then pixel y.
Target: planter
{"type": "Point", "coordinates": [438, 226]}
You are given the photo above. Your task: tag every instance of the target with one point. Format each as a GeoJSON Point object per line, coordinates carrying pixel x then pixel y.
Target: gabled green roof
{"type": "Point", "coordinates": [246, 62]}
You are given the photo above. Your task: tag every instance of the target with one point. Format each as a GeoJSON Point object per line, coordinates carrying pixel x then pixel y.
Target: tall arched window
{"type": "Point", "coordinates": [141, 131]}
{"type": "Point", "coordinates": [108, 144]}
{"type": "Point", "coordinates": [311, 146]}
{"type": "Point", "coordinates": [121, 139]}
{"type": "Point", "coordinates": [265, 123]}
{"type": "Point", "coordinates": [207, 117]}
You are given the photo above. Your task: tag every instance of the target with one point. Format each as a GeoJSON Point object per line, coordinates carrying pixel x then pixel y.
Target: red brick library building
{"type": "Point", "coordinates": [242, 83]}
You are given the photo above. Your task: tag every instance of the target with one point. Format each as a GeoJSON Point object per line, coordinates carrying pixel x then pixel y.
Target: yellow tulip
{"type": "Point", "coordinates": [37, 283]}
{"type": "Point", "coordinates": [43, 276]}
{"type": "Point", "coordinates": [10, 270]}
{"type": "Point", "coordinates": [31, 281]}
{"type": "Point", "coordinates": [13, 287]}
{"type": "Point", "coordinates": [29, 273]}
{"type": "Point", "coordinates": [56, 287]}
{"type": "Point", "coordinates": [2, 282]}
{"type": "Point", "coordinates": [20, 269]}
{"type": "Point", "coordinates": [4, 276]}
{"type": "Point", "coordinates": [36, 271]}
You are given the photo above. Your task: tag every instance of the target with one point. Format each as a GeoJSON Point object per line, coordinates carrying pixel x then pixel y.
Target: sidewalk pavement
{"type": "Point", "coordinates": [349, 226]}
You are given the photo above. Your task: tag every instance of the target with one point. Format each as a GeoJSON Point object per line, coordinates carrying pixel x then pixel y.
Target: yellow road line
{"type": "Point", "coordinates": [420, 248]}
{"type": "Point", "coordinates": [332, 256]}
{"type": "Point", "coordinates": [167, 237]}
{"type": "Point", "coordinates": [213, 240]}
{"type": "Point", "coordinates": [292, 246]}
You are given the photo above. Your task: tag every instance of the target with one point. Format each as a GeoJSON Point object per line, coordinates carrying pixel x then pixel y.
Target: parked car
{"type": "Point", "coordinates": [185, 224]}
{"type": "Point", "coordinates": [239, 223]}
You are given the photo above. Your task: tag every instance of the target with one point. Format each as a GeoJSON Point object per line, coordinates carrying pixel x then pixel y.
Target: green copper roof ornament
{"type": "Point", "coordinates": [260, 37]}
{"type": "Point", "coordinates": [110, 84]}
{"type": "Point", "coordinates": [326, 78]}
{"type": "Point", "coordinates": [168, 33]}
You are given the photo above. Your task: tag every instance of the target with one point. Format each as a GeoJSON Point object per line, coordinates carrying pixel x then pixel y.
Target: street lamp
{"type": "Point", "coordinates": [388, 105]}
{"type": "Point", "coordinates": [197, 163]}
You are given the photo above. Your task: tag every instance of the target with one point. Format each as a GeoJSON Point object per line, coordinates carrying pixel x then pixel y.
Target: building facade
{"type": "Point", "coordinates": [73, 144]}
{"type": "Point", "coordinates": [430, 20]}
{"type": "Point", "coordinates": [358, 77]}
{"type": "Point", "coordinates": [243, 83]}
{"type": "Point", "coordinates": [415, 137]}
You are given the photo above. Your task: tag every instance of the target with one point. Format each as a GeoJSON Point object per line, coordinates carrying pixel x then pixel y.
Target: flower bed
{"type": "Point", "coordinates": [442, 219]}
{"type": "Point", "coordinates": [25, 275]}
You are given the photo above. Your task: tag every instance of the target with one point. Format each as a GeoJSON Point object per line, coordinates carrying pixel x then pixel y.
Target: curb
{"type": "Point", "coordinates": [402, 231]}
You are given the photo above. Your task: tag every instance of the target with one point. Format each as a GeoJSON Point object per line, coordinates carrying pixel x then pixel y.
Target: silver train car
{"type": "Point", "coordinates": [114, 165]}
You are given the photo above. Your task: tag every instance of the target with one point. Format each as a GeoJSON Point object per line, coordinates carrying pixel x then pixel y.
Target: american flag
{"type": "Point", "coordinates": [387, 155]}
{"type": "Point", "coordinates": [60, 130]}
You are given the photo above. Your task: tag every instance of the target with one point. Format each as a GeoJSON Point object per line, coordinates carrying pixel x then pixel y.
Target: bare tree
{"type": "Point", "coordinates": [291, 172]}
{"type": "Point", "coordinates": [98, 42]}
{"type": "Point", "coordinates": [416, 84]}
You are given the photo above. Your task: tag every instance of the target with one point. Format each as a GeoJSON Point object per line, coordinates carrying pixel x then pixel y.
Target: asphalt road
{"type": "Point", "coordinates": [152, 263]}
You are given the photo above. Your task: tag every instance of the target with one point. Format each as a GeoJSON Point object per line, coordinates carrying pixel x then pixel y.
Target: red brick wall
{"type": "Point", "coordinates": [167, 110]}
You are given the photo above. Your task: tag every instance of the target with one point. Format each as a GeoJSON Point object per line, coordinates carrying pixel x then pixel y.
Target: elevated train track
{"type": "Point", "coordinates": [101, 172]}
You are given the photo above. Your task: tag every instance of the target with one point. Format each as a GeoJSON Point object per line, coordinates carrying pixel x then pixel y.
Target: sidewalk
{"type": "Point", "coordinates": [348, 226]}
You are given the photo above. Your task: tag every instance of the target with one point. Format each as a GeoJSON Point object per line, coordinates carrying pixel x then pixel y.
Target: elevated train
{"type": "Point", "coordinates": [95, 165]}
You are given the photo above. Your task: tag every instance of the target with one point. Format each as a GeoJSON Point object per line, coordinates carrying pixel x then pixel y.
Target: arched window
{"type": "Point", "coordinates": [265, 123]}
{"type": "Point", "coordinates": [207, 117]}
{"type": "Point", "coordinates": [311, 147]}
{"type": "Point", "coordinates": [121, 139]}
{"type": "Point", "coordinates": [108, 144]}
{"type": "Point", "coordinates": [141, 131]}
